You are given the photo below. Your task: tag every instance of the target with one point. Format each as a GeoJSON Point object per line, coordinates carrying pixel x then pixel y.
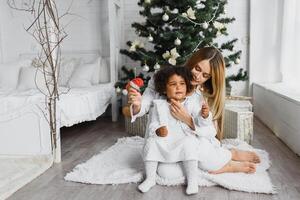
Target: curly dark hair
{"type": "Point", "coordinates": [161, 78]}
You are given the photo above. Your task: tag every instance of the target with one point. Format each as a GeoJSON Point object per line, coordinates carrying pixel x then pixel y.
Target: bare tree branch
{"type": "Point", "coordinates": [47, 31]}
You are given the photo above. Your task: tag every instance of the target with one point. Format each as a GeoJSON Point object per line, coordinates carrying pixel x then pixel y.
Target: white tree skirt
{"type": "Point", "coordinates": [15, 172]}
{"type": "Point", "coordinates": [122, 163]}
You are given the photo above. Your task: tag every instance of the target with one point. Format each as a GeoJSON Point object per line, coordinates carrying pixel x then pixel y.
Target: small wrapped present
{"type": "Point", "coordinates": [238, 121]}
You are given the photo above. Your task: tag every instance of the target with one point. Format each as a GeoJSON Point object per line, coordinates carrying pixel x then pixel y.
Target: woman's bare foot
{"type": "Point", "coordinates": [236, 166]}
{"type": "Point", "coordinates": [239, 155]}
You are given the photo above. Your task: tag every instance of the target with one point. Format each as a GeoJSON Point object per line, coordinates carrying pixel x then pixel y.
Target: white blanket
{"type": "Point", "coordinates": [75, 105]}
{"type": "Point", "coordinates": [122, 163]}
{"type": "Point", "coordinates": [84, 104]}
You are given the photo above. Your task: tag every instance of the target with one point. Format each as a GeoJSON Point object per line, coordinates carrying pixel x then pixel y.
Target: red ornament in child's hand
{"type": "Point", "coordinates": [135, 83]}
{"type": "Point", "coordinates": [138, 81]}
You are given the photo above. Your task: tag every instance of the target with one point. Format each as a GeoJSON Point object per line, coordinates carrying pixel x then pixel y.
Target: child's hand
{"type": "Point", "coordinates": [133, 88]}
{"type": "Point", "coordinates": [162, 131]}
{"type": "Point", "coordinates": [135, 98]}
{"type": "Point", "coordinates": [204, 110]}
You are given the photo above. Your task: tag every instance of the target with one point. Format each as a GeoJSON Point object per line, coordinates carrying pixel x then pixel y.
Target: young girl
{"type": "Point", "coordinates": [169, 139]}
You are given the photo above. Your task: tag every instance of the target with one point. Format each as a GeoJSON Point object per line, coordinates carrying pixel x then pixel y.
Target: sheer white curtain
{"type": "Point", "coordinates": [275, 42]}
{"type": "Point", "coordinates": [265, 34]}
{"type": "Point", "coordinates": [290, 43]}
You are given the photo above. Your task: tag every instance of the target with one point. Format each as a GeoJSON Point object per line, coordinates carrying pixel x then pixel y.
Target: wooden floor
{"type": "Point", "coordinates": [82, 141]}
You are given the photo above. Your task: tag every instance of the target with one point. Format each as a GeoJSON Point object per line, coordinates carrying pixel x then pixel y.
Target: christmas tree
{"type": "Point", "coordinates": [176, 29]}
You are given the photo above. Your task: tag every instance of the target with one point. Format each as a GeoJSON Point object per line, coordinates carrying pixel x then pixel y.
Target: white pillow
{"type": "Point", "coordinates": [66, 69]}
{"type": "Point", "coordinates": [104, 72]}
{"type": "Point", "coordinates": [9, 73]}
{"type": "Point", "coordinates": [31, 78]}
{"type": "Point", "coordinates": [97, 63]}
{"type": "Point", "coordinates": [83, 75]}
{"type": "Point", "coordinates": [101, 74]}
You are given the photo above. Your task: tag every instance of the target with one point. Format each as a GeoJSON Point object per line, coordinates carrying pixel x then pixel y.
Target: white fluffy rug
{"type": "Point", "coordinates": [15, 172]}
{"type": "Point", "coordinates": [122, 163]}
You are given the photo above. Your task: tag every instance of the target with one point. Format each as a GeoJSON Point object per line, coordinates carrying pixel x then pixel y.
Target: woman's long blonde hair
{"type": "Point", "coordinates": [214, 87]}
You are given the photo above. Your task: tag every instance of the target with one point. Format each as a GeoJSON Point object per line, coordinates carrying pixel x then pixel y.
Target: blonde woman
{"type": "Point", "coordinates": [208, 68]}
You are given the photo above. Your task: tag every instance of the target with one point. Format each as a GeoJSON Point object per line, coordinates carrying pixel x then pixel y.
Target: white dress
{"type": "Point", "coordinates": [211, 155]}
{"type": "Point", "coordinates": [178, 145]}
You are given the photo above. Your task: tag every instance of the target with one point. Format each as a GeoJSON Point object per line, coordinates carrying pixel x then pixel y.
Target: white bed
{"type": "Point", "coordinates": [23, 128]}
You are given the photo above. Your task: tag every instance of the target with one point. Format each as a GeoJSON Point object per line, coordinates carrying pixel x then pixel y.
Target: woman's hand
{"type": "Point", "coordinates": [204, 110]}
{"type": "Point", "coordinates": [179, 112]}
{"type": "Point", "coordinates": [135, 99]}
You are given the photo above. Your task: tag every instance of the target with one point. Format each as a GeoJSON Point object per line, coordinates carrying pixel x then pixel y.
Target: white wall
{"type": "Point", "coordinates": [87, 29]}
{"type": "Point", "coordinates": [239, 29]}
{"type": "Point", "coordinates": [131, 15]}
{"type": "Point", "coordinates": [14, 38]}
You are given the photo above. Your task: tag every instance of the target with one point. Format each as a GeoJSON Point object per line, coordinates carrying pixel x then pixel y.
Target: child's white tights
{"type": "Point", "coordinates": [149, 182]}
{"type": "Point", "coordinates": [191, 168]}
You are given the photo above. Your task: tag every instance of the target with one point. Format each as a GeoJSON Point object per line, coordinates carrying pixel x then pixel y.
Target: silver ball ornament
{"type": "Point", "coordinates": [150, 38]}
{"type": "Point", "coordinates": [124, 92]}
{"type": "Point", "coordinates": [205, 25]}
{"type": "Point", "coordinates": [118, 90]}
{"type": "Point", "coordinates": [145, 68]}
{"type": "Point", "coordinates": [165, 17]}
{"type": "Point", "coordinates": [177, 42]}
{"type": "Point", "coordinates": [156, 66]}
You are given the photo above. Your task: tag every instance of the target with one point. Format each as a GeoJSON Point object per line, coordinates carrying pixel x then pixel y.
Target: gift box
{"type": "Point", "coordinates": [242, 105]}
{"type": "Point", "coordinates": [138, 127]}
{"type": "Point", "coordinates": [238, 121]}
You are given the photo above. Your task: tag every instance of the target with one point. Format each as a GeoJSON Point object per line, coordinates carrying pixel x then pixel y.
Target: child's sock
{"type": "Point", "coordinates": [149, 182]}
{"type": "Point", "coordinates": [191, 168]}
